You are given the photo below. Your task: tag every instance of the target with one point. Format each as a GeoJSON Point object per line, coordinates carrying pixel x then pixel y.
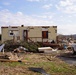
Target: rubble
{"type": "Point", "coordinates": [13, 56]}
{"type": "Point", "coordinates": [46, 49]}
{"type": "Point", "coordinates": [20, 49]}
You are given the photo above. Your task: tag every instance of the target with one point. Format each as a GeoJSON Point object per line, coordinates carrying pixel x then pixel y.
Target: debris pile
{"type": "Point", "coordinates": [46, 49]}
{"type": "Point", "coordinates": [20, 49]}
{"type": "Point", "coordinates": [13, 56]}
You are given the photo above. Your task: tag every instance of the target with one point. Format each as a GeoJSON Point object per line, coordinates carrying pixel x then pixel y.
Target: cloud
{"type": "Point", "coordinates": [36, 0]}
{"type": "Point", "coordinates": [66, 3]}
{"type": "Point", "coordinates": [18, 18]}
{"type": "Point", "coordinates": [67, 6]}
{"type": "Point", "coordinates": [69, 29]}
{"type": "Point", "coordinates": [8, 18]}
{"type": "Point", "coordinates": [6, 3]}
{"type": "Point", "coordinates": [0, 6]}
{"type": "Point", "coordinates": [33, 0]}
{"type": "Point", "coordinates": [44, 16]}
{"type": "Point", "coordinates": [19, 13]}
{"type": "Point", "coordinates": [47, 6]}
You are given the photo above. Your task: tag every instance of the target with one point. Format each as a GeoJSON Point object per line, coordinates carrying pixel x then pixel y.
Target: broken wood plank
{"type": "Point", "coordinates": [6, 60]}
{"type": "Point", "coordinates": [44, 48]}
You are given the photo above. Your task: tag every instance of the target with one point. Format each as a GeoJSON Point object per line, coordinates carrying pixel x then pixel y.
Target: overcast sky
{"type": "Point", "coordinates": [61, 13]}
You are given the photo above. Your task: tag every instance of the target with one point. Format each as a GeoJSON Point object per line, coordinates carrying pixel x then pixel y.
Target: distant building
{"type": "Point", "coordinates": [34, 33]}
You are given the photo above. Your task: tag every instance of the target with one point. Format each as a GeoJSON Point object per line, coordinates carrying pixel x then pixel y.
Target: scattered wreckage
{"type": "Point", "coordinates": [46, 49]}
{"type": "Point", "coordinates": [12, 56]}
{"type": "Point", "coordinates": [74, 48]}
{"type": "Point", "coordinates": [20, 49]}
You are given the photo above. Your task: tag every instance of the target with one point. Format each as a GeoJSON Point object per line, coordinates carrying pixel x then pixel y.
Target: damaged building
{"type": "Point", "coordinates": [34, 33]}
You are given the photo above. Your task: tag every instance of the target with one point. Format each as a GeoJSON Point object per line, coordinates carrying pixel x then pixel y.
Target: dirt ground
{"type": "Point", "coordinates": [48, 61]}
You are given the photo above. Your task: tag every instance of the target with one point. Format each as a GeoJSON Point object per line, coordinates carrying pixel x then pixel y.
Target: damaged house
{"type": "Point", "coordinates": [34, 33]}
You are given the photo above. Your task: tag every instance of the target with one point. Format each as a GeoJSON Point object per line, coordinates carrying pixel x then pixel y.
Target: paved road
{"type": "Point", "coordinates": [68, 58]}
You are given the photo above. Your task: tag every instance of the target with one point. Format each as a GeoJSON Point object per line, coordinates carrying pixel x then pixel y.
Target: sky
{"type": "Point", "coordinates": [60, 13]}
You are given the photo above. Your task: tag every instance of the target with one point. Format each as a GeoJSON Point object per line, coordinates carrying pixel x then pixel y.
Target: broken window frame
{"type": "Point", "coordinates": [12, 33]}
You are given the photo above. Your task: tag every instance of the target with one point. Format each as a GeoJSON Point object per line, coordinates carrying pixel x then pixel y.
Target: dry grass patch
{"type": "Point", "coordinates": [50, 63]}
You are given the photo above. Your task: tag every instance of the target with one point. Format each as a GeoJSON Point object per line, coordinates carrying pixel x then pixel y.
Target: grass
{"type": "Point", "coordinates": [53, 67]}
